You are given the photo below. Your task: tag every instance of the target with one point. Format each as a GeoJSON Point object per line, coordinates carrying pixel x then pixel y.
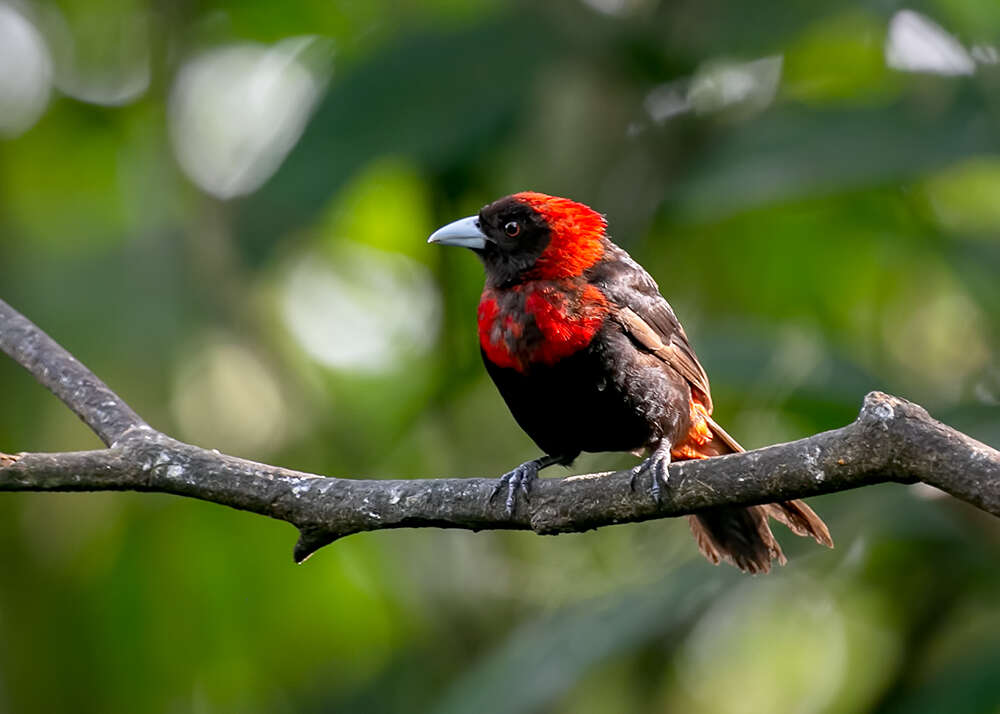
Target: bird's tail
{"type": "Point", "coordinates": [742, 536]}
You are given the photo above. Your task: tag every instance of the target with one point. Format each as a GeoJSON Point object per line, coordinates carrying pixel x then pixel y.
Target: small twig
{"type": "Point", "coordinates": [892, 440]}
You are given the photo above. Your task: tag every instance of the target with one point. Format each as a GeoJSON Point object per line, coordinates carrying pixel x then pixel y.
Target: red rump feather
{"type": "Point", "coordinates": [577, 240]}
{"type": "Point", "coordinates": [693, 446]}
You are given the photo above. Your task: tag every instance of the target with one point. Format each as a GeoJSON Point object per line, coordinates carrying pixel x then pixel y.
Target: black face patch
{"type": "Point", "coordinates": [517, 236]}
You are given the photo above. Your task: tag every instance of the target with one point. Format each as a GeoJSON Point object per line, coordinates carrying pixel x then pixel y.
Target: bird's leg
{"type": "Point", "coordinates": [657, 465]}
{"type": "Point", "coordinates": [520, 478]}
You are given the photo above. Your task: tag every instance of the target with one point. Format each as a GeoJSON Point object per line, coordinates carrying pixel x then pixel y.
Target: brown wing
{"type": "Point", "coordinates": [681, 359]}
{"type": "Point", "coordinates": [647, 317]}
{"type": "Point", "coordinates": [740, 535]}
{"type": "Point", "coordinates": [677, 354]}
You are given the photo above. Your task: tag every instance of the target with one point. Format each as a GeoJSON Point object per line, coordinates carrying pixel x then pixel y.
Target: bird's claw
{"type": "Point", "coordinates": [658, 466]}
{"type": "Point", "coordinates": [518, 479]}
{"type": "Point", "coordinates": [8, 459]}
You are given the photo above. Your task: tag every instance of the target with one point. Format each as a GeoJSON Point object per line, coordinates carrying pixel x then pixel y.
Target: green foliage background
{"type": "Point", "coordinates": [841, 236]}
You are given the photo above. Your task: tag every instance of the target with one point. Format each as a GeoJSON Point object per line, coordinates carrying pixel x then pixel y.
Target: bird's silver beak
{"type": "Point", "coordinates": [464, 232]}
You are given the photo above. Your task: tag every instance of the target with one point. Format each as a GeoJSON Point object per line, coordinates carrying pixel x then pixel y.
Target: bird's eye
{"type": "Point", "coordinates": [512, 229]}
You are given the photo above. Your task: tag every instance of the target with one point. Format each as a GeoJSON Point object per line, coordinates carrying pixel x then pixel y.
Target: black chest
{"type": "Point", "coordinates": [606, 396]}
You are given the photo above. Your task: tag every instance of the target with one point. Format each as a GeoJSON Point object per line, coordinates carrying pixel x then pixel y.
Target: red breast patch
{"type": "Point", "coordinates": [538, 323]}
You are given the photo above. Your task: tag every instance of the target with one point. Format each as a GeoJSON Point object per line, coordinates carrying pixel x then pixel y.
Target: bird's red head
{"type": "Point", "coordinates": [530, 236]}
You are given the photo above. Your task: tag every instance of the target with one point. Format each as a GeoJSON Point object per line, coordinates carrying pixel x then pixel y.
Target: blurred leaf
{"type": "Point", "coordinates": [542, 659]}
{"type": "Point", "coordinates": [964, 197]}
{"type": "Point", "coordinates": [793, 153]}
{"type": "Point", "coordinates": [968, 685]}
{"type": "Point", "coordinates": [385, 207]}
{"type": "Point", "coordinates": [425, 98]}
{"type": "Point", "coordinates": [840, 59]}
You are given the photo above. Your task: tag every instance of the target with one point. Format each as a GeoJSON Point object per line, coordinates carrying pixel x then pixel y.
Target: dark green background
{"type": "Point", "coordinates": [840, 238]}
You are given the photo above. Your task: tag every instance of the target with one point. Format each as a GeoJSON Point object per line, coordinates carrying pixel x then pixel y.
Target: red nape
{"type": "Point", "coordinates": [577, 236]}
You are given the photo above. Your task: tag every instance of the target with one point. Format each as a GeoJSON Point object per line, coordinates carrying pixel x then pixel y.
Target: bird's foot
{"type": "Point", "coordinates": [8, 459]}
{"type": "Point", "coordinates": [518, 479]}
{"type": "Point", "coordinates": [657, 466]}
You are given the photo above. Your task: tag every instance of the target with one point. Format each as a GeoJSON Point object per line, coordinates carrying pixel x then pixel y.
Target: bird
{"type": "Point", "coordinates": [590, 357]}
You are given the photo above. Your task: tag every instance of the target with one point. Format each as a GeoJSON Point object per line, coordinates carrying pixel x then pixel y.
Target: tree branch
{"type": "Point", "coordinates": [59, 371]}
{"type": "Point", "coordinates": [892, 440]}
